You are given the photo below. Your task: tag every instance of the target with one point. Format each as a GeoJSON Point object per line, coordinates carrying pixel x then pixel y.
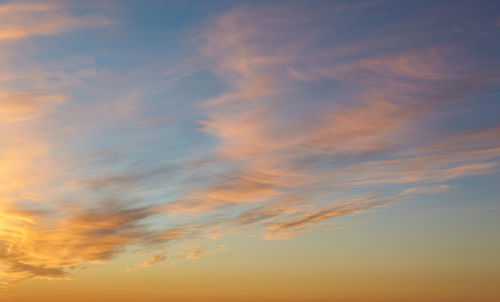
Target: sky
{"type": "Point", "coordinates": [274, 151]}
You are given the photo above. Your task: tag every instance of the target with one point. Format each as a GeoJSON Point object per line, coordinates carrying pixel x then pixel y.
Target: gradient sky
{"type": "Point", "coordinates": [249, 151]}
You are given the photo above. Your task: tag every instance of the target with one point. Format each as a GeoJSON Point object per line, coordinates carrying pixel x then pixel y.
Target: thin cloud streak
{"type": "Point", "coordinates": [21, 20]}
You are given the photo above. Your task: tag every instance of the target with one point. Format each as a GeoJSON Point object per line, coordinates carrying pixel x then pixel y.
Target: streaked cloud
{"type": "Point", "coordinates": [278, 137]}
{"type": "Point", "coordinates": [20, 105]}
{"type": "Point", "coordinates": [24, 19]}
{"type": "Point", "coordinates": [310, 125]}
{"type": "Point", "coordinates": [155, 259]}
{"type": "Point", "coordinates": [198, 252]}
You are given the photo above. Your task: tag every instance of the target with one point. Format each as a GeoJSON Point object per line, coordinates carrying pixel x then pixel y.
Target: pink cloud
{"type": "Point", "coordinates": [278, 141]}
{"type": "Point", "coordinates": [22, 20]}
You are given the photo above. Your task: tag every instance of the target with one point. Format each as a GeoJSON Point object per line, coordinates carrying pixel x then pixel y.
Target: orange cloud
{"type": "Point", "coordinates": [35, 242]}
{"type": "Point", "coordinates": [26, 105]}
{"type": "Point", "coordinates": [20, 20]}
{"type": "Point", "coordinates": [198, 252]}
{"type": "Point", "coordinates": [155, 259]}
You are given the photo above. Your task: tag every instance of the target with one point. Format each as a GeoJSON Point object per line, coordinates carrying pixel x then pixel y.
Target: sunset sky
{"type": "Point", "coordinates": [249, 151]}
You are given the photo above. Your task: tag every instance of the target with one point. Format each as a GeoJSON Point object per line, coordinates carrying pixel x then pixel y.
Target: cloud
{"type": "Point", "coordinates": [20, 20]}
{"type": "Point", "coordinates": [155, 259]}
{"type": "Point", "coordinates": [307, 220]}
{"type": "Point", "coordinates": [351, 205]}
{"type": "Point", "coordinates": [38, 238]}
{"type": "Point", "coordinates": [26, 105]}
{"type": "Point", "coordinates": [426, 190]}
{"type": "Point", "coordinates": [279, 139]}
{"type": "Point", "coordinates": [38, 244]}
{"type": "Point", "coordinates": [198, 252]}
{"type": "Point", "coordinates": [311, 125]}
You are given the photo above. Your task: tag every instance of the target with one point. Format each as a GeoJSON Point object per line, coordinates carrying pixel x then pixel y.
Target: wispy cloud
{"type": "Point", "coordinates": [198, 252]}
{"type": "Point", "coordinates": [24, 19]}
{"type": "Point", "coordinates": [279, 137]}
{"type": "Point", "coordinates": [155, 259]}
{"type": "Point", "coordinates": [311, 125]}
{"type": "Point", "coordinates": [26, 105]}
